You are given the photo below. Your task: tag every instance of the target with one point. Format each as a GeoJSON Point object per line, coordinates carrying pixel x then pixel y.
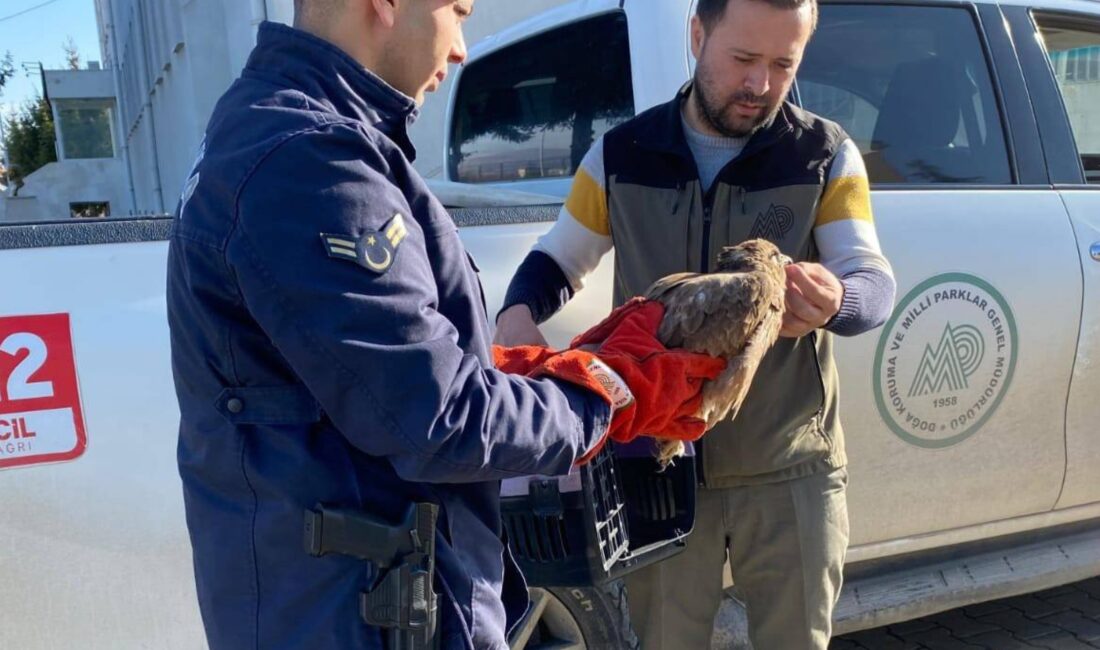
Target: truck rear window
{"type": "Point", "coordinates": [533, 109]}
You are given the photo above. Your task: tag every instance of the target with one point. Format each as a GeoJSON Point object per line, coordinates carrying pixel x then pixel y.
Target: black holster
{"type": "Point", "coordinates": [401, 601]}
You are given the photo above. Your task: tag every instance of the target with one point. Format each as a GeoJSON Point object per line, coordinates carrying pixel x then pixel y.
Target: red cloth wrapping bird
{"type": "Point", "coordinates": [653, 390]}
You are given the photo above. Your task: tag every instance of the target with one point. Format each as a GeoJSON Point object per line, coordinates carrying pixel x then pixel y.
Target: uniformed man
{"type": "Point", "coordinates": [331, 350]}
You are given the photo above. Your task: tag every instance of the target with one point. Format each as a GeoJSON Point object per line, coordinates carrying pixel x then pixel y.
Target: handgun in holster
{"type": "Point", "coordinates": [402, 601]}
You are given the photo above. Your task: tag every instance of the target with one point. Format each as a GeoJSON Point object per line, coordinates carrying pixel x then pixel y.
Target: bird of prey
{"type": "Point", "coordinates": [734, 313]}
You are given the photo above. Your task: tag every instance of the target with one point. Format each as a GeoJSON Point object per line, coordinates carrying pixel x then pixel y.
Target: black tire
{"type": "Point", "coordinates": [598, 614]}
{"type": "Point", "coordinates": [603, 615]}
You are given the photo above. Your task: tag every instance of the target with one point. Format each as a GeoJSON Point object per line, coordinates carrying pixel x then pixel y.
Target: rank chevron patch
{"type": "Point", "coordinates": [374, 250]}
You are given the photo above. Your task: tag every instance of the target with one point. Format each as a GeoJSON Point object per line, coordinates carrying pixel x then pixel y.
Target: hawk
{"type": "Point", "coordinates": [734, 313]}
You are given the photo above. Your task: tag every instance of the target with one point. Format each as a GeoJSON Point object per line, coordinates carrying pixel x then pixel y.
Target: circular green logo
{"type": "Point", "coordinates": [945, 360]}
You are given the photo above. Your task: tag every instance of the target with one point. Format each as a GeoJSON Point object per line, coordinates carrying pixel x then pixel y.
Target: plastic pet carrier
{"type": "Point", "coordinates": [618, 513]}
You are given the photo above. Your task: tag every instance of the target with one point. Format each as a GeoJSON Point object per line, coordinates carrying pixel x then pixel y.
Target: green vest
{"type": "Point", "coordinates": [662, 223]}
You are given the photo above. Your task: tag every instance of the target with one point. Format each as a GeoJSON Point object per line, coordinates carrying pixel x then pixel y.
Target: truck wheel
{"type": "Point", "coordinates": [577, 618]}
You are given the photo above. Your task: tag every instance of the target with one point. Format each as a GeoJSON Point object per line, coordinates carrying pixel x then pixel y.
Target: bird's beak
{"type": "Point", "coordinates": [783, 259]}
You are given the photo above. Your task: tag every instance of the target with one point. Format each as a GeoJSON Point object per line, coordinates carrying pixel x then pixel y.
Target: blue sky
{"type": "Point", "coordinates": [40, 35]}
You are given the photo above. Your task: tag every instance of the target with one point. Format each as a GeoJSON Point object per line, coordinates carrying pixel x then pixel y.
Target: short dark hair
{"type": "Point", "coordinates": [711, 11]}
{"type": "Point", "coordinates": [313, 11]}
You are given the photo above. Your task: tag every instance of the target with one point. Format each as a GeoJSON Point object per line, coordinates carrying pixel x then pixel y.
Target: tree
{"type": "Point", "coordinates": [30, 140]}
{"type": "Point", "coordinates": [7, 70]}
{"type": "Point", "coordinates": [72, 55]}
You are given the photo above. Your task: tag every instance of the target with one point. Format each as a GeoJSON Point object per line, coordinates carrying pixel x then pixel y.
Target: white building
{"type": "Point", "coordinates": [171, 59]}
{"type": "Point", "coordinates": [88, 178]}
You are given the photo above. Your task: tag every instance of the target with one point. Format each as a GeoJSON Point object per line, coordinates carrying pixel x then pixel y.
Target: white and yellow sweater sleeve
{"type": "Point", "coordinates": [845, 228]}
{"type": "Point", "coordinates": [582, 234]}
{"type": "Point", "coordinates": [848, 245]}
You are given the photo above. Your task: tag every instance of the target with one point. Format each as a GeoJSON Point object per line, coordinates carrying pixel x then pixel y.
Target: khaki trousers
{"type": "Point", "coordinates": [785, 543]}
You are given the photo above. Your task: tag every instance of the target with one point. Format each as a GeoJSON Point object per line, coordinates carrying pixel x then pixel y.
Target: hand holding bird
{"type": "Point", "coordinates": [813, 297]}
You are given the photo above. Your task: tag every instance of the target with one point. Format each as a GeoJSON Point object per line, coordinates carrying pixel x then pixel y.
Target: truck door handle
{"type": "Point", "coordinates": [1094, 250]}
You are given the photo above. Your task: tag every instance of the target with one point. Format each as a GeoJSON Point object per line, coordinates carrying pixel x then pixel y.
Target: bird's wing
{"type": "Point", "coordinates": [722, 397]}
{"type": "Point", "coordinates": [660, 288]}
{"type": "Point", "coordinates": [713, 313]}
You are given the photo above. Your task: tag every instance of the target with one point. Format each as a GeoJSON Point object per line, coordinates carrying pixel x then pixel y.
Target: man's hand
{"type": "Point", "coordinates": [813, 297]}
{"type": "Point", "coordinates": [516, 326]}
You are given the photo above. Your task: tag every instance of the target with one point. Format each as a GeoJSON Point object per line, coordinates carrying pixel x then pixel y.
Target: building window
{"type": "Point", "coordinates": [86, 132]}
{"type": "Point", "coordinates": [533, 109]}
{"type": "Point", "coordinates": [90, 210]}
{"type": "Point", "coordinates": [1078, 64]}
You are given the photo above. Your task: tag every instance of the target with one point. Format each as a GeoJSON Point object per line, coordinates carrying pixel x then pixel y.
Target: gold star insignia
{"type": "Point", "coordinates": [371, 241]}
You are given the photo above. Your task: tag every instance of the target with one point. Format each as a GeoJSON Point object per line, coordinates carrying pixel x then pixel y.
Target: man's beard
{"type": "Point", "coordinates": [718, 114]}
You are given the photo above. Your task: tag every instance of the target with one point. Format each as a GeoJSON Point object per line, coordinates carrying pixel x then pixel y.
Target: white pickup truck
{"type": "Point", "coordinates": [971, 416]}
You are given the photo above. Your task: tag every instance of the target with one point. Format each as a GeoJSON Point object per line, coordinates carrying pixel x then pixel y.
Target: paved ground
{"type": "Point", "coordinates": [1063, 618]}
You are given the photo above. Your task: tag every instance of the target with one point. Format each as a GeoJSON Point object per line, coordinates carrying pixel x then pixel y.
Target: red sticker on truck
{"type": "Point", "coordinates": [40, 416]}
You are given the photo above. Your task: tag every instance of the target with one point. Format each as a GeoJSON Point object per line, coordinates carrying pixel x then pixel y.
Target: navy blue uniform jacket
{"type": "Point", "coordinates": [330, 344]}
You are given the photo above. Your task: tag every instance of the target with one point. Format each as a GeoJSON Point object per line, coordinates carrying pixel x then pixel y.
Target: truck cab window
{"type": "Point", "coordinates": [918, 100]}
{"type": "Point", "coordinates": [1074, 51]}
{"type": "Point", "coordinates": [533, 109]}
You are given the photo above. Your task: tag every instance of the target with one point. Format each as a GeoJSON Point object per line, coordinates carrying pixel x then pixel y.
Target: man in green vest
{"type": "Point", "coordinates": [728, 159]}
